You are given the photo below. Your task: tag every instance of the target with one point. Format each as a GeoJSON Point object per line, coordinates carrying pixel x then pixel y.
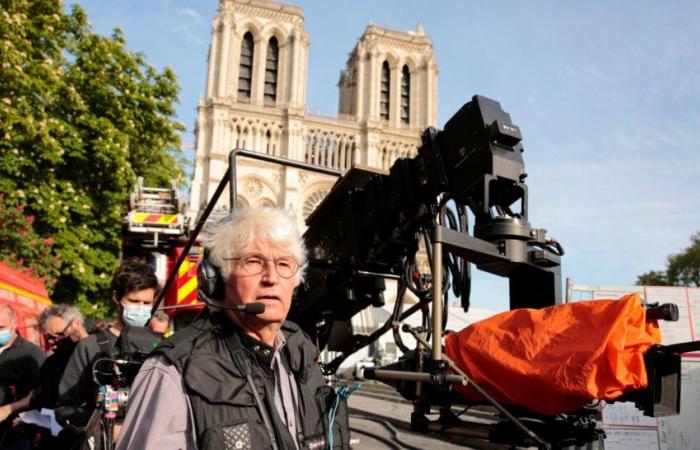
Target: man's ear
{"type": "Point", "coordinates": [114, 298]}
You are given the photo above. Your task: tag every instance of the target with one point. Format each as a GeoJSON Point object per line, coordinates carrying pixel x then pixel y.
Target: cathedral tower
{"type": "Point", "coordinates": [256, 96]}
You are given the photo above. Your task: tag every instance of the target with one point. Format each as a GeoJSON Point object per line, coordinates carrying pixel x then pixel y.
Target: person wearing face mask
{"type": "Point", "coordinates": [134, 287]}
{"type": "Point", "coordinates": [63, 328]}
{"type": "Point", "coordinates": [20, 361]}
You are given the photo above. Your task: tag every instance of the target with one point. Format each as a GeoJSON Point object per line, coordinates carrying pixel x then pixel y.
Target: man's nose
{"type": "Point", "coordinates": [270, 274]}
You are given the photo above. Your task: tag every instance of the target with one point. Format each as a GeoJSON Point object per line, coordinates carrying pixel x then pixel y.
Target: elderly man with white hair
{"type": "Point", "coordinates": [235, 379]}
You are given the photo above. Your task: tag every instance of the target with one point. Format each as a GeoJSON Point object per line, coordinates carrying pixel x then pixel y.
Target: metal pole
{"type": "Point", "coordinates": [422, 377]}
{"type": "Point", "coordinates": [202, 220]}
{"type": "Point", "coordinates": [272, 159]}
{"type": "Point", "coordinates": [230, 177]}
{"type": "Point", "coordinates": [437, 293]}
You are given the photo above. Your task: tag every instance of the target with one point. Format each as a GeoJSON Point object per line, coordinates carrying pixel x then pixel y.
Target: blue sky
{"type": "Point", "coordinates": [607, 95]}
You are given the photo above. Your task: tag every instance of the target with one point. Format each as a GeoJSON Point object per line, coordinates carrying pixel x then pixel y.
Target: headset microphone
{"type": "Point", "coordinates": [254, 308]}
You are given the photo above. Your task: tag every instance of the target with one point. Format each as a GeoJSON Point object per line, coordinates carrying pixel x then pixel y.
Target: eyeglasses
{"type": "Point", "coordinates": [255, 264]}
{"type": "Point", "coordinates": [51, 338]}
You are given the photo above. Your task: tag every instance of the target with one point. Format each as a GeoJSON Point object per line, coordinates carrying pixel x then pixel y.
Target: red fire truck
{"type": "Point", "coordinates": [28, 297]}
{"type": "Point", "coordinates": [156, 230]}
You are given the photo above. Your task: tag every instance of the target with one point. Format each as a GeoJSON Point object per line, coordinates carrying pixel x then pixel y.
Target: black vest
{"type": "Point", "coordinates": [224, 408]}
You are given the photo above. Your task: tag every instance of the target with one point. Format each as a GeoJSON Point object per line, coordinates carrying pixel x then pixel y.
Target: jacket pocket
{"type": "Point", "coordinates": [236, 435]}
{"type": "Point", "coordinates": [218, 381]}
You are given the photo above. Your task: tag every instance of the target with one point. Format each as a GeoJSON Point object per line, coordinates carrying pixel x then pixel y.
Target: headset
{"type": "Point", "coordinates": [210, 283]}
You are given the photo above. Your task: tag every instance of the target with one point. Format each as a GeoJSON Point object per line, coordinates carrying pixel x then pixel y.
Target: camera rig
{"type": "Point", "coordinates": [113, 373]}
{"type": "Point", "coordinates": [369, 229]}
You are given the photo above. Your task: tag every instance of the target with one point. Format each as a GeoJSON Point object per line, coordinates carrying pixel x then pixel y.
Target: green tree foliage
{"type": "Point", "coordinates": [80, 118]}
{"type": "Point", "coordinates": [23, 248]}
{"type": "Point", "coordinates": [683, 269]}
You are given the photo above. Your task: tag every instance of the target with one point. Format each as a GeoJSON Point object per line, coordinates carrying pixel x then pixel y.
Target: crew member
{"type": "Point", "coordinates": [134, 287]}
{"type": "Point", "coordinates": [63, 327]}
{"type": "Point", "coordinates": [234, 379]}
{"type": "Point", "coordinates": [20, 361]}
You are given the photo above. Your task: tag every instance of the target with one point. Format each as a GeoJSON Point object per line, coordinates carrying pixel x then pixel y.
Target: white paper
{"type": "Point", "coordinates": [44, 418]}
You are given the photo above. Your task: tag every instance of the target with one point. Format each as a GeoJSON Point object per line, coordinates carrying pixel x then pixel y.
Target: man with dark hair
{"type": "Point", "coordinates": [19, 372]}
{"type": "Point", "coordinates": [63, 328]}
{"type": "Point", "coordinates": [134, 287]}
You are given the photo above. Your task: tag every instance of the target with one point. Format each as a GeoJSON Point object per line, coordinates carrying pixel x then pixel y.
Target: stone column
{"type": "Point", "coordinates": [372, 89]}
{"type": "Point", "coordinates": [360, 85]}
{"type": "Point", "coordinates": [395, 94]}
{"type": "Point", "coordinates": [224, 58]}
{"type": "Point", "coordinates": [303, 67]}
{"type": "Point", "coordinates": [372, 157]}
{"type": "Point", "coordinates": [293, 69]}
{"type": "Point", "coordinates": [234, 61]}
{"type": "Point", "coordinates": [430, 92]}
{"type": "Point", "coordinates": [259, 54]}
{"type": "Point", "coordinates": [213, 58]}
{"type": "Point", "coordinates": [283, 73]}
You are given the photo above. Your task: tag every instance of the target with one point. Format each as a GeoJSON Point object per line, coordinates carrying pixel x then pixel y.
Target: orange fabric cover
{"type": "Point", "coordinates": [556, 359]}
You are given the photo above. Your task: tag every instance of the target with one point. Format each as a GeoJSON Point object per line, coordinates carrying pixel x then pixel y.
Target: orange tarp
{"type": "Point", "coordinates": [557, 359]}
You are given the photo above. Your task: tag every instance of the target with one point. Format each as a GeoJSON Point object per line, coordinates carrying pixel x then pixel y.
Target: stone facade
{"type": "Point", "coordinates": [387, 96]}
{"type": "Point", "coordinates": [255, 100]}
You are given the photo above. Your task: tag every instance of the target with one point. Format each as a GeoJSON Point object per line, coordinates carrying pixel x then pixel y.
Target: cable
{"type": "Point", "coordinates": [381, 439]}
{"type": "Point", "coordinates": [341, 395]}
{"type": "Point", "coordinates": [394, 432]}
{"type": "Point", "coordinates": [396, 316]}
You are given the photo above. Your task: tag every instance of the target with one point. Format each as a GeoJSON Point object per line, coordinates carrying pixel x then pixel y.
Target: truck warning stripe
{"type": "Point", "coordinates": [186, 289]}
{"type": "Point", "coordinates": [185, 267]}
{"type": "Point", "coordinates": [155, 218]}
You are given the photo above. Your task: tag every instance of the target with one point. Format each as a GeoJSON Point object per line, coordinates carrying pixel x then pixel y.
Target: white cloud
{"type": "Point", "coordinates": [191, 13]}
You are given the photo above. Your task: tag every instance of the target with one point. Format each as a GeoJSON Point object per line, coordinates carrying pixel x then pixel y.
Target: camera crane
{"type": "Point", "coordinates": [368, 229]}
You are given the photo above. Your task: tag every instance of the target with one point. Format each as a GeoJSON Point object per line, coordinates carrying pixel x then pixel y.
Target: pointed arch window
{"type": "Point", "coordinates": [384, 92]}
{"type": "Point", "coordinates": [405, 95]}
{"type": "Point", "coordinates": [271, 66]}
{"type": "Point", "coordinates": [245, 70]}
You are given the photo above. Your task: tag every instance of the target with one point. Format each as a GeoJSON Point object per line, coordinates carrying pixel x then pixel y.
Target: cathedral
{"type": "Point", "coordinates": [256, 100]}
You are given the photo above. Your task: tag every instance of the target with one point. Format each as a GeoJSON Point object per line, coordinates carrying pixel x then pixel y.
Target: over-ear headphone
{"type": "Point", "coordinates": [210, 283]}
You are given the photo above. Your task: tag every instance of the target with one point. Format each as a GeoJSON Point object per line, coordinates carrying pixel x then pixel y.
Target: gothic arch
{"type": "Point", "coordinates": [392, 59]}
{"type": "Point", "coordinates": [409, 61]}
{"type": "Point", "coordinates": [256, 187]}
{"type": "Point", "coordinates": [275, 31]}
{"type": "Point", "coordinates": [265, 202]}
{"type": "Point", "coordinates": [313, 195]}
{"type": "Point", "coordinates": [252, 26]}
{"type": "Point", "coordinates": [241, 202]}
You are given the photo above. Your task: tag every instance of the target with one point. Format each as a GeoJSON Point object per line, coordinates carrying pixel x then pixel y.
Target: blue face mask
{"type": "Point", "coordinates": [136, 315]}
{"type": "Point", "coordinates": [5, 336]}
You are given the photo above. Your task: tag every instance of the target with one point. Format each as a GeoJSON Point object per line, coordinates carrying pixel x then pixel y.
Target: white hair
{"type": "Point", "coordinates": [237, 234]}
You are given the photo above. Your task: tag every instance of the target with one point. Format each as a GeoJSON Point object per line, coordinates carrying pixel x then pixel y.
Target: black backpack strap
{"type": "Point", "coordinates": [103, 343]}
{"type": "Point", "coordinates": [242, 361]}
